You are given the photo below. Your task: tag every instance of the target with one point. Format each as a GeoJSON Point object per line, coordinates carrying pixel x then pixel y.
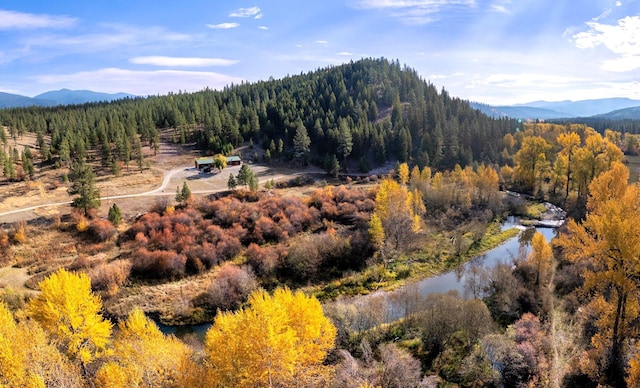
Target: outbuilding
{"type": "Point", "coordinates": [204, 163]}
{"type": "Point", "coordinates": [234, 161]}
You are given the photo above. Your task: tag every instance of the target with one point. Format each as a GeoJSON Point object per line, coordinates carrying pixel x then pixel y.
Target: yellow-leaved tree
{"type": "Point", "coordinates": [69, 313]}
{"type": "Point", "coordinates": [28, 359]}
{"type": "Point", "coordinates": [276, 341]}
{"type": "Point", "coordinates": [403, 173]}
{"type": "Point", "coordinates": [531, 163]}
{"type": "Point", "coordinates": [397, 214]}
{"type": "Point", "coordinates": [540, 257]}
{"type": "Point", "coordinates": [13, 360]}
{"type": "Point", "coordinates": [609, 239]}
{"type": "Point", "coordinates": [143, 356]}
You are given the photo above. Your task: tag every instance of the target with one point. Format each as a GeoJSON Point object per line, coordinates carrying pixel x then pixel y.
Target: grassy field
{"type": "Point", "coordinates": [633, 163]}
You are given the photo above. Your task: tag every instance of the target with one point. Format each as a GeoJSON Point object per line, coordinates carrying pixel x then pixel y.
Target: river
{"type": "Point", "coordinates": [505, 253]}
{"type": "Point", "coordinates": [454, 280]}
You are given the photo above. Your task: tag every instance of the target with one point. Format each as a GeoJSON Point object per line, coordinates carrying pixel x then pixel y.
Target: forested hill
{"type": "Point", "coordinates": [365, 113]}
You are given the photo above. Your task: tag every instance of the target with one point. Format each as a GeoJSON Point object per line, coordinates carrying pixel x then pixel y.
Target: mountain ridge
{"type": "Point", "coordinates": [558, 109]}
{"type": "Point", "coordinates": [58, 97]}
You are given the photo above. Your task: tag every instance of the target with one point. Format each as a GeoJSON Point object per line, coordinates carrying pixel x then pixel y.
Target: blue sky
{"type": "Point", "coordinates": [492, 51]}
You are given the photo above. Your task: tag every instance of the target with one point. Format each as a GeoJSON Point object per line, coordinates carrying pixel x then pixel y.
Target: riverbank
{"type": "Point", "coordinates": [411, 267]}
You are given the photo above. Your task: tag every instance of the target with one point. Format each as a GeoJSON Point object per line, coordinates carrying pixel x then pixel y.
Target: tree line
{"type": "Point", "coordinates": [362, 113]}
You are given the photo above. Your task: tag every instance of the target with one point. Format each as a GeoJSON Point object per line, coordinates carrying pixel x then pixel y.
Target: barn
{"type": "Point", "coordinates": [234, 161]}
{"type": "Point", "coordinates": [204, 163]}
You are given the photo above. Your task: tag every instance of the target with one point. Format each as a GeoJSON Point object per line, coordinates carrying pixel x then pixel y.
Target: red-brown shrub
{"type": "Point", "coordinates": [110, 276]}
{"type": "Point", "coordinates": [228, 246]}
{"type": "Point", "coordinates": [102, 230]}
{"type": "Point", "coordinates": [230, 287]}
{"type": "Point", "coordinates": [267, 230]}
{"type": "Point", "coordinates": [264, 260]}
{"type": "Point", "coordinates": [157, 264]}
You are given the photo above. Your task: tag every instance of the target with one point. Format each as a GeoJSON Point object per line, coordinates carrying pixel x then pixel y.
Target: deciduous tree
{"type": "Point", "coordinates": [396, 215]}
{"type": "Point", "coordinates": [143, 356]}
{"type": "Point", "coordinates": [278, 340]}
{"type": "Point", "coordinates": [541, 256]}
{"type": "Point", "coordinates": [532, 162]}
{"type": "Point", "coordinates": [609, 237]}
{"type": "Point", "coordinates": [70, 314]}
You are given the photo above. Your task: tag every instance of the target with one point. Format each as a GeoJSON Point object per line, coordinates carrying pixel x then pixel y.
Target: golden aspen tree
{"type": "Point", "coordinates": [414, 176]}
{"type": "Point", "coordinates": [487, 184]}
{"type": "Point", "coordinates": [277, 340]}
{"type": "Point", "coordinates": [568, 143]}
{"type": "Point", "coordinates": [425, 174]}
{"type": "Point", "coordinates": [609, 238]}
{"type": "Point", "coordinates": [633, 372]}
{"type": "Point", "coordinates": [13, 360]}
{"type": "Point", "coordinates": [396, 214]}
{"type": "Point", "coordinates": [28, 359]}
{"type": "Point", "coordinates": [143, 356]}
{"type": "Point", "coordinates": [70, 314]}
{"type": "Point", "coordinates": [403, 173]}
{"type": "Point", "coordinates": [540, 257]}
{"type": "Point", "coordinates": [531, 163]}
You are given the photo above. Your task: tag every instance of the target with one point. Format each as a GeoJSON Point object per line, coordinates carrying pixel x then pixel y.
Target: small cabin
{"type": "Point", "coordinates": [234, 161]}
{"type": "Point", "coordinates": [205, 163]}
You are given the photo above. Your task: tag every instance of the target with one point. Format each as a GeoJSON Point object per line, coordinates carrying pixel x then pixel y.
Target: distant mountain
{"type": "Point", "coordinates": [622, 114]}
{"type": "Point", "coordinates": [8, 100]}
{"type": "Point", "coordinates": [68, 97]}
{"type": "Point", "coordinates": [547, 110]}
{"type": "Point", "coordinates": [58, 97]}
{"type": "Point", "coordinates": [518, 112]}
{"type": "Point", "coordinates": [585, 108]}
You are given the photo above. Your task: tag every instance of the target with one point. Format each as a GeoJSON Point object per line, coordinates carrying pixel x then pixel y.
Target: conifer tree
{"type": "Point", "coordinates": [115, 216]}
{"type": "Point", "coordinates": [185, 192]}
{"type": "Point", "coordinates": [232, 183]}
{"type": "Point", "coordinates": [83, 184]}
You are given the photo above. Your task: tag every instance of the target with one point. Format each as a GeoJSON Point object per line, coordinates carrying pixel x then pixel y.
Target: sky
{"type": "Point", "coordinates": [490, 51]}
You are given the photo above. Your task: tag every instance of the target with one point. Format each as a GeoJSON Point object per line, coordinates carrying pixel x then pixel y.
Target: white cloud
{"type": "Point", "coordinates": [263, 27]}
{"type": "Point", "coordinates": [323, 42]}
{"type": "Point", "coordinates": [181, 61]}
{"type": "Point", "coordinates": [519, 80]}
{"type": "Point", "coordinates": [112, 37]}
{"type": "Point", "coordinates": [345, 53]}
{"type": "Point", "coordinates": [246, 12]}
{"type": "Point", "coordinates": [411, 3]}
{"type": "Point", "coordinates": [499, 8]}
{"type": "Point", "coordinates": [618, 3]}
{"type": "Point", "coordinates": [17, 20]}
{"type": "Point", "coordinates": [621, 39]}
{"type": "Point", "coordinates": [417, 11]}
{"type": "Point", "coordinates": [142, 83]}
{"type": "Point", "coordinates": [622, 64]}
{"type": "Point", "coordinates": [258, 16]}
{"type": "Point", "coordinates": [444, 76]}
{"type": "Point", "coordinates": [223, 26]}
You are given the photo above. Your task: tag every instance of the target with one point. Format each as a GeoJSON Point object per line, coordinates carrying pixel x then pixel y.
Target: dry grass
{"type": "Point", "coordinates": [170, 302]}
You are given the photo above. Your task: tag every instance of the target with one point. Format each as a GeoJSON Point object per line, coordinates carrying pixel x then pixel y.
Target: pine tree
{"type": "Point", "coordinates": [83, 184]}
{"type": "Point", "coordinates": [301, 143]}
{"type": "Point", "coordinates": [232, 183]}
{"type": "Point", "coordinates": [185, 192]}
{"type": "Point", "coordinates": [115, 216]}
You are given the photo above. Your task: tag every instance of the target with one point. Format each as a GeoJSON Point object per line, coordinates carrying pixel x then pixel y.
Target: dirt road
{"type": "Point", "coordinates": [199, 183]}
